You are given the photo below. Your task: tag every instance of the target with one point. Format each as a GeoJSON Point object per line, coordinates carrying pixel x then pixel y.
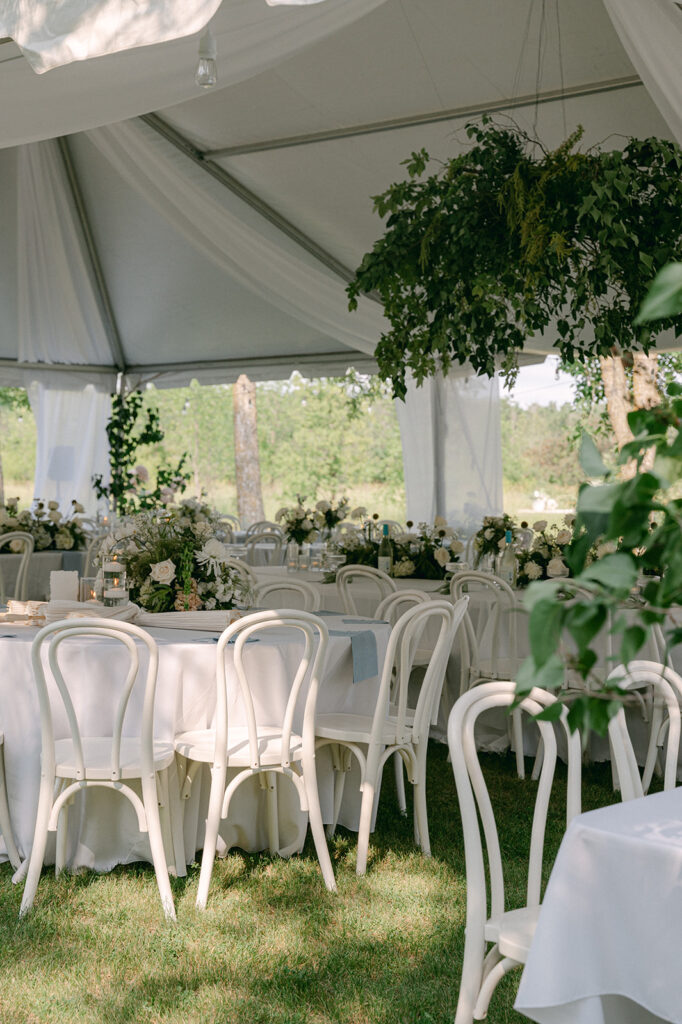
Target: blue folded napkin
{"type": "Point", "coordinates": [364, 650]}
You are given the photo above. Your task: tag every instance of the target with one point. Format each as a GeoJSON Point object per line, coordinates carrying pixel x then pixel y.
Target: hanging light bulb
{"type": "Point", "coordinates": [206, 74]}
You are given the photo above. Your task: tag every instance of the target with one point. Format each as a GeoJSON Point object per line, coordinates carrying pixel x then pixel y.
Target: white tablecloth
{"type": "Point", "coordinates": [608, 943]}
{"type": "Point", "coordinates": [41, 565]}
{"type": "Point", "coordinates": [185, 700]}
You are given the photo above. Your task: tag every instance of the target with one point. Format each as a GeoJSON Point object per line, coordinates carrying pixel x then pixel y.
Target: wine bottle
{"type": "Point", "coordinates": [385, 554]}
{"type": "Point", "coordinates": [507, 564]}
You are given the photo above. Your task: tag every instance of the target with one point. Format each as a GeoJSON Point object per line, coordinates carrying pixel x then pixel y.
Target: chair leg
{"type": "Point", "coordinates": [215, 803]}
{"type": "Point", "coordinates": [151, 807]}
{"type": "Point", "coordinates": [517, 733]}
{"type": "Point", "coordinates": [37, 856]}
{"type": "Point", "coordinates": [316, 825]}
{"type": "Point", "coordinates": [273, 812]}
{"type": "Point", "coordinates": [368, 791]}
{"type": "Point", "coordinates": [170, 817]}
{"type": "Point", "coordinates": [341, 765]}
{"type": "Point", "coordinates": [5, 820]}
{"type": "Point", "coordinates": [62, 834]}
{"type": "Point", "coordinates": [492, 980]}
{"type": "Point", "coordinates": [400, 783]}
{"type": "Point", "coordinates": [421, 819]}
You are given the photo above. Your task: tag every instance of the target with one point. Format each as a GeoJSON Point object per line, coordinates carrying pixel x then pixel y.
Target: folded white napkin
{"type": "Point", "coordinates": [213, 622]}
{"type": "Point", "coordinates": [56, 610]}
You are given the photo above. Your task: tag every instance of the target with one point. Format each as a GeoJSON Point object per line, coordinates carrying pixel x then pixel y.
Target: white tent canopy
{"type": "Point", "coordinates": [214, 234]}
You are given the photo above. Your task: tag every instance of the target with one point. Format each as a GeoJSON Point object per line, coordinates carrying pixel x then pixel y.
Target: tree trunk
{"type": "Point", "coordinates": [645, 391]}
{"type": "Point", "coordinates": [617, 395]}
{"type": "Point", "coordinates": [246, 458]}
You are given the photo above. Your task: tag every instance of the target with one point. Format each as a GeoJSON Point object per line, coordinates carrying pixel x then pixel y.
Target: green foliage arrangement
{"type": "Point", "coordinates": [420, 554]}
{"type": "Point", "coordinates": [127, 491]}
{"type": "Point", "coordinates": [636, 517]}
{"type": "Point", "coordinates": [508, 239]}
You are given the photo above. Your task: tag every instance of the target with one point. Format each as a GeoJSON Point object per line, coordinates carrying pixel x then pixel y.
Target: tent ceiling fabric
{"type": "Point", "coordinates": [186, 290]}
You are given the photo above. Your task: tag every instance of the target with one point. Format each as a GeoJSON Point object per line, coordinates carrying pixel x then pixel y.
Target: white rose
{"type": "Point", "coordinates": [54, 516]}
{"type": "Point", "coordinates": [52, 505]}
{"type": "Point", "coordinates": [557, 568]}
{"type": "Point", "coordinates": [489, 534]}
{"type": "Point", "coordinates": [17, 545]}
{"type": "Point", "coordinates": [405, 567]}
{"type": "Point", "coordinates": [456, 547]}
{"type": "Point", "coordinates": [307, 524]}
{"type": "Point", "coordinates": [563, 536]}
{"type": "Point", "coordinates": [532, 570]}
{"type": "Point", "coordinates": [162, 572]}
{"type": "Point", "coordinates": [323, 506]}
{"type": "Point", "coordinates": [540, 526]}
{"type": "Point", "coordinates": [442, 556]}
{"type": "Point", "coordinates": [440, 523]}
{"type": "Point", "coordinates": [63, 540]}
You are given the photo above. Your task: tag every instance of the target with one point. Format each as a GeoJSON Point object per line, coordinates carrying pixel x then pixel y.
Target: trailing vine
{"type": "Point", "coordinates": [129, 429]}
{"type": "Point", "coordinates": [508, 240]}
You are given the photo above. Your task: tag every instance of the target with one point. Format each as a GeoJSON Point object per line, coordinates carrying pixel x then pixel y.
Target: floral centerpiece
{"type": "Point", "coordinates": [328, 515]}
{"type": "Point", "coordinates": [489, 540]}
{"type": "Point", "coordinates": [174, 561]}
{"type": "Point", "coordinates": [544, 559]}
{"type": "Point", "coordinates": [422, 553]}
{"type": "Point", "coordinates": [297, 522]}
{"type": "Point", "coordinates": [49, 528]}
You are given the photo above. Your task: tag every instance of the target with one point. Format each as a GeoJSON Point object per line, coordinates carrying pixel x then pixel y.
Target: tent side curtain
{"type": "Point", "coordinates": [221, 226]}
{"type": "Point", "coordinates": [651, 34]}
{"type": "Point", "coordinates": [452, 450]}
{"type": "Point", "coordinates": [72, 443]}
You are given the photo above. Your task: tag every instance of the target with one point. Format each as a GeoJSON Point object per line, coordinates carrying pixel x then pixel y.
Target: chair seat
{"type": "Point", "coordinates": [513, 932]}
{"type": "Point", "coordinates": [199, 745]}
{"type": "Point", "coordinates": [355, 728]}
{"type": "Point", "coordinates": [97, 755]}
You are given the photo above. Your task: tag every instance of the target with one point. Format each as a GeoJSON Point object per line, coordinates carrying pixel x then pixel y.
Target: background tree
{"type": "Point", "coordinates": [14, 399]}
{"type": "Point", "coordinates": [508, 239]}
{"type": "Point", "coordinates": [246, 456]}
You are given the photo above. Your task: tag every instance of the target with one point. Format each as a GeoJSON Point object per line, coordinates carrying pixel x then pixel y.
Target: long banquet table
{"type": "Point", "coordinates": [185, 700]}
{"type": "Point", "coordinates": [607, 945]}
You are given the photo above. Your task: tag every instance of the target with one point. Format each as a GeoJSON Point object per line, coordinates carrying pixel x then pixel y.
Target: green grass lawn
{"type": "Point", "coordinates": [273, 946]}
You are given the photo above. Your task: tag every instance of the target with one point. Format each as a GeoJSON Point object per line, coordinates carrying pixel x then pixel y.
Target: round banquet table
{"type": "Point", "coordinates": [607, 945]}
{"type": "Point", "coordinates": [185, 698]}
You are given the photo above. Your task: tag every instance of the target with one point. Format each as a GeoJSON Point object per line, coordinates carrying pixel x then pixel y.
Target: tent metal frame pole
{"type": "Point", "coordinates": [250, 198]}
{"type": "Point", "coordinates": [102, 291]}
{"type": "Point", "coordinates": [455, 113]}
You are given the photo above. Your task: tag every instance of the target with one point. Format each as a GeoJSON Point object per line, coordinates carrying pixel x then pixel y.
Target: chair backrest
{"type": "Point", "coordinates": [311, 665]}
{"type": "Point", "coordinates": [243, 569]}
{"type": "Point", "coordinates": [18, 542]}
{"type": "Point", "coordinates": [489, 637]}
{"type": "Point", "coordinates": [306, 594]}
{"type": "Point", "coordinates": [470, 550]}
{"type": "Point", "coordinates": [413, 723]}
{"type": "Point", "coordinates": [666, 686]}
{"type": "Point", "coordinates": [272, 540]}
{"type": "Point", "coordinates": [474, 799]}
{"type": "Point", "coordinates": [395, 604]}
{"type": "Point", "coordinates": [232, 519]}
{"type": "Point", "coordinates": [264, 526]}
{"type": "Point", "coordinates": [93, 547]}
{"type": "Point", "coordinates": [381, 581]}
{"type": "Point", "coordinates": [53, 636]}
{"type": "Point", "coordinates": [225, 530]}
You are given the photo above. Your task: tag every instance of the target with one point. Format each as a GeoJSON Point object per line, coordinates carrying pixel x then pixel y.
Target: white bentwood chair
{"type": "Point", "coordinates": [109, 761]}
{"type": "Point", "coordinates": [273, 542]}
{"type": "Point", "coordinates": [264, 526]}
{"type": "Point", "coordinates": [304, 593]}
{"type": "Point", "coordinates": [245, 571]}
{"type": "Point", "coordinates": [395, 726]}
{"type": "Point", "coordinates": [261, 748]}
{"type": "Point", "coordinates": [488, 645]}
{"type": "Point", "coordinates": [26, 543]}
{"type": "Point", "coordinates": [381, 582]}
{"type": "Point", "coordinates": [664, 686]}
{"type": "Point", "coordinates": [509, 931]}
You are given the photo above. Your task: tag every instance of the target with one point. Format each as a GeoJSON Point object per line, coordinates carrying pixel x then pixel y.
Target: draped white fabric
{"type": "Point", "coordinates": [52, 34]}
{"type": "Point", "coordinates": [251, 38]}
{"type": "Point", "coordinates": [452, 456]}
{"type": "Point", "coordinates": [72, 443]}
{"type": "Point", "coordinates": [651, 34]}
{"type": "Point", "coordinates": [221, 226]}
{"type": "Point", "coordinates": [59, 318]}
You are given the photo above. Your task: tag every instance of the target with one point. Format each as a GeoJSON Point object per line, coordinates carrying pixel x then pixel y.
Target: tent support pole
{"type": "Point", "coordinates": [246, 195]}
{"type": "Point", "coordinates": [108, 315]}
{"type": "Point", "coordinates": [434, 117]}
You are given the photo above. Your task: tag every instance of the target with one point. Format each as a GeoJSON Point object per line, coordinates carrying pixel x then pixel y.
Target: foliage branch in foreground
{"type": "Point", "coordinates": [644, 526]}
{"type": "Point", "coordinates": [509, 239]}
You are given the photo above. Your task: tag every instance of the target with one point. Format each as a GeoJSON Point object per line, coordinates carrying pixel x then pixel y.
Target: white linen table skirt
{"type": "Point", "coordinates": [607, 945]}
{"type": "Point", "coordinates": [41, 565]}
{"type": "Point", "coordinates": [185, 700]}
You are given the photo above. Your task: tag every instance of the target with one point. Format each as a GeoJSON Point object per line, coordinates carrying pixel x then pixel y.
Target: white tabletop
{"type": "Point", "coordinates": [608, 945]}
{"type": "Point", "coordinates": [185, 699]}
